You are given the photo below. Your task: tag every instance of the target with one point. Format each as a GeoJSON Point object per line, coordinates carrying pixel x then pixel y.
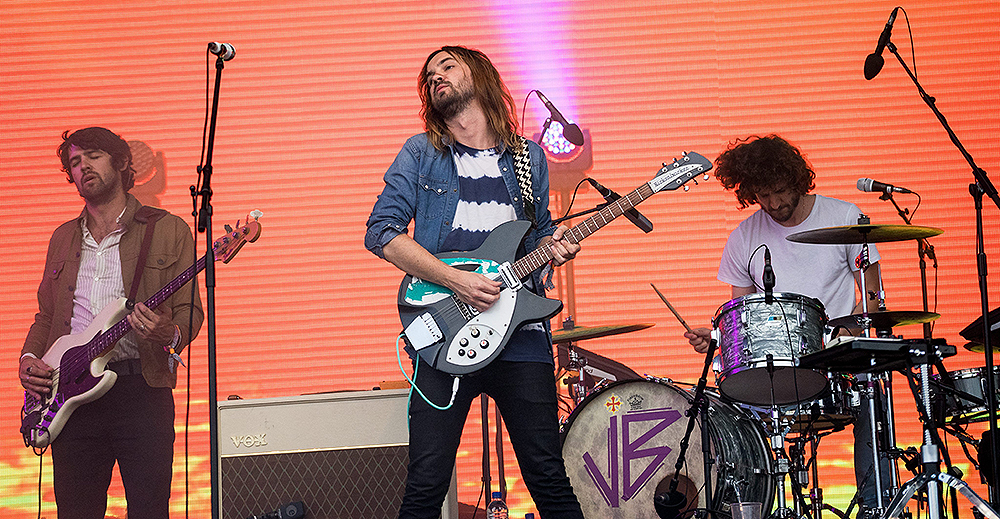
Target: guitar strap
{"type": "Point", "coordinates": [522, 167]}
{"type": "Point", "coordinates": [149, 216]}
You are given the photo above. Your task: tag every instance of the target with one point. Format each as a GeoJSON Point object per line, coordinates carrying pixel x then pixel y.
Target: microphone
{"type": "Point", "coordinates": [633, 214]}
{"type": "Point", "coordinates": [768, 277]}
{"type": "Point", "coordinates": [570, 130]}
{"type": "Point", "coordinates": [874, 61]}
{"type": "Point", "coordinates": [869, 185]}
{"type": "Point", "coordinates": [223, 50]}
{"type": "Point", "coordinates": [668, 505]}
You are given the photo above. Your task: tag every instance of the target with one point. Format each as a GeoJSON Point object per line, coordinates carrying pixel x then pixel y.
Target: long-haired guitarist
{"type": "Point", "coordinates": [457, 182]}
{"type": "Point", "coordinates": [91, 264]}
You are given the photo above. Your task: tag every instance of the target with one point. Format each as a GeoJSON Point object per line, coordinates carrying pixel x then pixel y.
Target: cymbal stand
{"type": "Point", "coordinates": [869, 385]}
{"type": "Point", "coordinates": [931, 478]}
{"type": "Point", "coordinates": [781, 461]}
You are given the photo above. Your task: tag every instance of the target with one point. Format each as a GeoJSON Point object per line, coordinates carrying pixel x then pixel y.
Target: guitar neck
{"type": "Point", "coordinates": [103, 342]}
{"type": "Point", "coordinates": [542, 255]}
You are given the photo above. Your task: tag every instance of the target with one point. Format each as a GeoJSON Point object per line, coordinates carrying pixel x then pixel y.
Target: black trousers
{"type": "Point", "coordinates": [133, 425]}
{"type": "Point", "coordinates": [525, 394]}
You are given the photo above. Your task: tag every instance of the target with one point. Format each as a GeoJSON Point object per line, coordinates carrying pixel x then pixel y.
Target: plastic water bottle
{"type": "Point", "coordinates": [497, 509]}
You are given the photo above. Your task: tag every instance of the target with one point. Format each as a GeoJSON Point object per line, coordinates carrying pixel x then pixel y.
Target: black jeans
{"type": "Point", "coordinates": [132, 424]}
{"type": "Point", "coordinates": [525, 394]}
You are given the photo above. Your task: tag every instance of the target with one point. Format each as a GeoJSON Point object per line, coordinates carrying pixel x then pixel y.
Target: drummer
{"type": "Point", "coordinates": [772, 173]}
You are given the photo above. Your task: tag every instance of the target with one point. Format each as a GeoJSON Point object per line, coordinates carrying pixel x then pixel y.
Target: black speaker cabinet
{"type": "Point", "coordinates": [343, 455]}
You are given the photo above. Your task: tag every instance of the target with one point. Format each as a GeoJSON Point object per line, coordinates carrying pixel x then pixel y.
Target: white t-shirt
{"type": "Point", "coordinates": [825, 272]}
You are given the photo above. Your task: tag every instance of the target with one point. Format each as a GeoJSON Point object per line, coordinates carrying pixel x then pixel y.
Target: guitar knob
{"type": "Point", "coordinates": [461, 353]}
{"type": "Point", "coordinates": [484, 344]}
{"type": "Point", "coordinates": [471, 354]}
{"type": "Point", "coordinates": [463, 342]}
{"type": "Point", "coordinates": [474, 332]}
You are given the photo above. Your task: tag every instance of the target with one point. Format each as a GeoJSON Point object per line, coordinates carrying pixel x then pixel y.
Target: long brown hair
{"type": "Point", "coordinates": [489, 89]}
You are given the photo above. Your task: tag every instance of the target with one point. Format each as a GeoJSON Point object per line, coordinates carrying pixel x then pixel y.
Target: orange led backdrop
{"type": "Point", "coordinates": [321, 96]}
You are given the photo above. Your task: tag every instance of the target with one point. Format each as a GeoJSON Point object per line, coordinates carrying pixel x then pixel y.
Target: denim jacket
{"type": "Point", "coordinates": [421, 186]}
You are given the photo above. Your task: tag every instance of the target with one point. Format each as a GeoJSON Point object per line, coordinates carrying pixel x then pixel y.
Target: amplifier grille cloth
{"type": "Point", "coordinates": [360, 482]}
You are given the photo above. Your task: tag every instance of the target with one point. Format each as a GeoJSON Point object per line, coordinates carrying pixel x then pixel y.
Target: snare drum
{"type": "Point", "coordinates": [786, 330]}
{"type": "Point", "coordinates": [960, 408]}
{"type": "Point", "coordinates": [621, 443]}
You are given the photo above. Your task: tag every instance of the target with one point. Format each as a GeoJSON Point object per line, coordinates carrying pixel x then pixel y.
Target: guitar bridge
{"type": "Point", "coordinates": [423, 331]}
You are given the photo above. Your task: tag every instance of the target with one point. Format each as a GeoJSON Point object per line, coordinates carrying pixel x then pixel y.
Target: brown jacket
{"type": "Point", "coordinates": [170, 253]}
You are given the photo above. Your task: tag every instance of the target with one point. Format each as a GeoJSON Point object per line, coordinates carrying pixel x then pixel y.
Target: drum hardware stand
{"type": "Point", "coordinates": [669, 504]}
{"type": "Point", "coordinates": [931, 478]}
{"type": "Point", "coordinates": [781, 461]}
{"type": "Point", "coordinates": [981, 186]}
{"type": "Point", "coordinates": [870, 385]}
{"type": "Point", "coordinates": [802, 471]}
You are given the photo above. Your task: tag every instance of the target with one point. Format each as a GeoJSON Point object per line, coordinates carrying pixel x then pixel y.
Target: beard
{"type": "Point", "coordinates": [784, 213]}
{"type": "Point", "coordinates": [450, 104]}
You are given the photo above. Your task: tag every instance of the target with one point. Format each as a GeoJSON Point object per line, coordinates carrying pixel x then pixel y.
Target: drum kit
{"type": "Point", "coordinates": [782, 380]}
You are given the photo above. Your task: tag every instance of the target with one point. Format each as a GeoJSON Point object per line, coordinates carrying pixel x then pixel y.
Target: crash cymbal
{"type": "Point", "coordinates": [579, 333]}
{"type": "Point", "coordinates": [885, 319]}
{"type": "Point", "coordinates": [864, 233]}
{"type": "Point", "coordinates": [979, 348]}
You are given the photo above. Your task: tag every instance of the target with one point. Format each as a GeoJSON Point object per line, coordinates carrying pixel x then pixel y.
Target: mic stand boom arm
{"type": "Point", "coordinates": [981, 187]}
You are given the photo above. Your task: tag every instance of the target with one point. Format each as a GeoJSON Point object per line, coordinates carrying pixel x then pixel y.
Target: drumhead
{"type": "Point", "coordinates": [620, 447]}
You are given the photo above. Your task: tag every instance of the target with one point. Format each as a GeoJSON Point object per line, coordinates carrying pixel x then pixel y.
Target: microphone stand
{"type": "Point", "coordinates": [668, 505]}
{"type": "Point", "coordinates": [982, 186]}
{"type": "Point", "coordinates": [205, 226]}
{"type": "Point", "coordinates": [924, 250]}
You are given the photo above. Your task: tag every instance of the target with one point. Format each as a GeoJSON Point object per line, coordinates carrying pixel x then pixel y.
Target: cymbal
{"type": "Point", "coordinates": [864, 233]}
{"type": "Point", "coordinates": [579, 333]}
{"type": "Point", "coordinates": [885, 319]}
{"type": "Point", "coordinates": [979, 348]}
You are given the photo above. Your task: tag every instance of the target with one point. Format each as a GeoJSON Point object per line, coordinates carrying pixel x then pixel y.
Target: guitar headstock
{"type": "Point", "coordinates": [226, 247]}
{"type": "Point", "coordinates": [675, 174]}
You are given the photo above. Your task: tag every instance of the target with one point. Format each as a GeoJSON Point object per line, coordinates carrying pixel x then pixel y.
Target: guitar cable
{"type": "Point", "coordinates": [413, 384]}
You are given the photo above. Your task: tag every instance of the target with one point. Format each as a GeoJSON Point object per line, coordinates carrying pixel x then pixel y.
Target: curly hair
{"type": "Point", "coordinates": [97, 138]}
{"type": "Point", "coordinates": [489, 89]}
{"type": "Point", "coordinates": [756, 164]}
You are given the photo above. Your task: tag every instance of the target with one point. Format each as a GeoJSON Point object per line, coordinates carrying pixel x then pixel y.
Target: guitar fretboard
{"type": "Point", "coordinates": [535, 259]}
{"type": "Point", "coordinates": [103, 342]}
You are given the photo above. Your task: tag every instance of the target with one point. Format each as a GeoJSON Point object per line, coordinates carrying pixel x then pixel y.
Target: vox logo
{"type": "Point", "coordinates": [249, 440]}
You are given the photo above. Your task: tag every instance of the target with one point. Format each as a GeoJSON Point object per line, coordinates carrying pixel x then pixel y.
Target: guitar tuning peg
{"type": "Point", "coordinates": [705, 177]}
{"type": "Point", "coordinates": [228, 228]}
{"type": "Point", "coordinates": [687, 188]}
{"type": "Point", "coordinates": [255, 214]}
{"type": "Point", "coordinates": [695, 180]}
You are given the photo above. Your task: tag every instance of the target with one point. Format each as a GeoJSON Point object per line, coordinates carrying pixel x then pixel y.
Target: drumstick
{"type": "Point", "coordinates": [672, 309]}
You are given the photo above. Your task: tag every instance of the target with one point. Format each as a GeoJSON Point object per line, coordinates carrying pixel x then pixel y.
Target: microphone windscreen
{"type": "Point", "coordinates": [573, 134]}
{"type": "Point", "coordinates": [873, 65]}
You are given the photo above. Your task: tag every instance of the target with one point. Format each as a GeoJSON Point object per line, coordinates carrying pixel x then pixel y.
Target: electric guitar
{"type": "Point", "coordinates": [453, 336]}
{"type": "Point", "coordinates": [79, 360]}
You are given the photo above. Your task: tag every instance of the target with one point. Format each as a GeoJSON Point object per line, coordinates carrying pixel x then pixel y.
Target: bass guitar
{"type": "Point", "coordinates": [79, 360]}
{"type": "Point", "coordinates": [453, 336]}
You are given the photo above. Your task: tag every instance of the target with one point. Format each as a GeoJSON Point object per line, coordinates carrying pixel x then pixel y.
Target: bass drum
{"type": "Point", "coordinates": [621, 444]}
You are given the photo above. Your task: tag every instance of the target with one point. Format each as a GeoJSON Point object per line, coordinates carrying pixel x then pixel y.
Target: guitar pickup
{"type": "Point", "coordinates": [510, 280]}
{"type": "Point", "coordinates": [423, 331]}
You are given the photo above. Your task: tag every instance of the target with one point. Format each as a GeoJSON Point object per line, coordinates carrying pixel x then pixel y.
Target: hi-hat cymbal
{"type": "Point", "coordinates": [863, 234]}
{"type": "Point", "coordinates": [579, 333]}
{"type": "Point", "coordinates": [881, 320]}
